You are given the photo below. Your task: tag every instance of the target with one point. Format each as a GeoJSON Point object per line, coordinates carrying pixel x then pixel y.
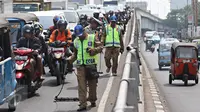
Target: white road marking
{"type": "Point", "coordinates": [106, 93]}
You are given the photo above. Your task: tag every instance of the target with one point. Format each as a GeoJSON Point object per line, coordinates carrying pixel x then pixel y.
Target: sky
{"type": "Point", "coordinates": [158, 7]}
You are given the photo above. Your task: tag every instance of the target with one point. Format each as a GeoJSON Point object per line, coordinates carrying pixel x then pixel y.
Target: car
{"type": "Point", "coordinates": [46, 18]}
{"type": "Point", "coordinates": [156, 38]}
{"type": "Point", "coordinates": [88, 12]}
{"type": "Point", "coordinates": [72, 18]}
{"type": "Point", "coordinates": [149, 34]}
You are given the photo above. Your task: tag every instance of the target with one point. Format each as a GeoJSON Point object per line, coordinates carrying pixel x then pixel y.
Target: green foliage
{"type": "Point", "coordinates": [178, 18]}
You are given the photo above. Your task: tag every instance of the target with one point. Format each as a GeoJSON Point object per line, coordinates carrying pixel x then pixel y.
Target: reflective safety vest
{"type": "Point", "coordinates": [83, 57]}
{"type": "Point", "coordinates": [112, 36]}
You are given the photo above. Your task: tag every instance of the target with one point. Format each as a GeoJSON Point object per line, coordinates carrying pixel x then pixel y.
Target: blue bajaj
{"type": "Point", "coordinates": [164, 55]}
{"type": "Point", "coordinates": [7, 69]}
{"type": "Point", "coordinates": [16, 23]}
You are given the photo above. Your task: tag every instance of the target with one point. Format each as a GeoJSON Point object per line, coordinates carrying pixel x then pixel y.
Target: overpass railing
{"type": "Point", "coordinates": [128, 95]}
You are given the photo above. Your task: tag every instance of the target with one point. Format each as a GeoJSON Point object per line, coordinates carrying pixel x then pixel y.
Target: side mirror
{"type": "Point", "coordinates": [45, 33]}
{"type": "Point", "coordinates": [157, 50]}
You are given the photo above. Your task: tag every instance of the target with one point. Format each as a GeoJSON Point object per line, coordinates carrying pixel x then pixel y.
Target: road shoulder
{"type": "Point", "coordinates": [154, 102]}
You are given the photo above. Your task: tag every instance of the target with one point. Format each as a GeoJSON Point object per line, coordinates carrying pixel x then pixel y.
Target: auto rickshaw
{"type": "Point", "coordinates": [184, 62]}
{"type": "Point", "coordinates": [16, 23]}
{"type": "Point", "coordinates": [7, 68]}
{"type": "Point", "coordinates": [149, 43]}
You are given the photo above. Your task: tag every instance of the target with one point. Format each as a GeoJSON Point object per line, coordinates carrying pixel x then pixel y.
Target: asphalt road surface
{"type": "Point", "coordinates": [179, 98]}
{"type": "Point", "coordinates": [43, 100]}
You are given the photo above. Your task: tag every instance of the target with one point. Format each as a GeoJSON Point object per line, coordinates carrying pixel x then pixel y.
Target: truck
{"type": "Point", "coordinates": [110, 3]}
{"type": "Point", "coordinates": [31, 5]}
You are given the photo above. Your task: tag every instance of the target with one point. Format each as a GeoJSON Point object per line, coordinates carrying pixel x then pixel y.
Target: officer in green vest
{"type": "Point", "coordinates": [113, 42]}
{"type": "Point", "coordinates": [86, 48]}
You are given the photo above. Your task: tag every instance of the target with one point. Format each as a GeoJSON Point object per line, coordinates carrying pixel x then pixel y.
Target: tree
{"type": "Point", "coordinates": [178, 18]}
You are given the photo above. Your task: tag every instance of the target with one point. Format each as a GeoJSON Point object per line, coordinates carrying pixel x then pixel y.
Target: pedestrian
{"type": "Point", "coordinates": [86, 48]}
{"type": "Point", "coordinates": [113, 43]}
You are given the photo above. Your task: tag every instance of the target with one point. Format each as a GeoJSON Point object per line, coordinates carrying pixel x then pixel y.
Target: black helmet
{"type": "Point", "coordinates": [82, 16]}
{"type": "Point", "coordinates": [38, 27]}
{"type": "Point", "coordinates": [28, 28]}
{"type": "Point", "coordinates": [62, 23]}
{"type": "Point", "coordinates": [56, 18]}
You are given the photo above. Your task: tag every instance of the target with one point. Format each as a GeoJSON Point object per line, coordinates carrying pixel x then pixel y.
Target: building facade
{"type": "Point", "coordinates": [6, 6]}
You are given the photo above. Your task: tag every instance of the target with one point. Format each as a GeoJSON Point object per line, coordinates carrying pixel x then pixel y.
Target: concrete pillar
{"type": "Point", "coordinates": [7, 6]}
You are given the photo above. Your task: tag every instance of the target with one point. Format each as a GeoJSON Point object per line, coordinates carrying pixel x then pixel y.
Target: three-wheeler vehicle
{"type": "Point", "coordinates": [16, 23]}
{"type": "Point", "coordinates": [164, 52]}
{"type": "Point", "coordinates": [7, 68]}
{"type": "Point", "coordinates": [184, 63]}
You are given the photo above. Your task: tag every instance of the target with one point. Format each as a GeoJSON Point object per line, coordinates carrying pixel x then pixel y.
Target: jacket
{"type": "Point", "coordinates": [30, 43]}
{"type": "Point", "coordinates": [64, 36]}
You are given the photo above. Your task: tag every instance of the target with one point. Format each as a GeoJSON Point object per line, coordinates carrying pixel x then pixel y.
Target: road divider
{"type": "Point", "coordinates": [128, 97]}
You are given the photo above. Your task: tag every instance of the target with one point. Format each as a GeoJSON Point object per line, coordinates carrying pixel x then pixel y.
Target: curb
{"type": "Point", "coordinates": [159, 106]}
{"type": "Point", "coordinates": [141, 93]}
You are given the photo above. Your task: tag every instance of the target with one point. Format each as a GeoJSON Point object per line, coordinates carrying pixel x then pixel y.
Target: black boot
{"type": "Point", "coordinates": [81, 109]}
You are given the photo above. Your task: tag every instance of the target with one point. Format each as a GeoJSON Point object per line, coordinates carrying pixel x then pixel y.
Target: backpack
{"type": "Point", "coordinates": [56, 34]}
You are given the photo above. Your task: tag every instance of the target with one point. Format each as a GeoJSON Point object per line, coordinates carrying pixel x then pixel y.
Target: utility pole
{"type": "Point", "coordinates": [195, 17]}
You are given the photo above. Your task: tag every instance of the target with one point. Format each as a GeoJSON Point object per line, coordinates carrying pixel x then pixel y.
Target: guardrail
{"type": "Point", "coordinates": [128, 96]}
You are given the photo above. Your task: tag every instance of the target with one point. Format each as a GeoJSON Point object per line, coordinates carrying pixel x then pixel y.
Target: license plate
{"type": "Point", "coordinates": [21, 57]}
{"type": "Point", "coordinates": [58, 49]}
{"type": "Point", "coordinates": [186, 61]}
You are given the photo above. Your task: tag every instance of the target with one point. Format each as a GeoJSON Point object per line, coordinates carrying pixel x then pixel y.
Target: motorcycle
{"type": "Point", "coordinates": [58, 59]}
{"type": "Point", "coordinates": [23, 57]}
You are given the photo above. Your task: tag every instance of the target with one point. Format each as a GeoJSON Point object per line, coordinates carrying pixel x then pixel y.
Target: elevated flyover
{"type": "Point", "coordinates": [147, 21]}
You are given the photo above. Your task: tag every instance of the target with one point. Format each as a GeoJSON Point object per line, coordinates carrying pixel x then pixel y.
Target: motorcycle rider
{"type": "Point", "coordinates": [83, 20]}
{"type": "Point", "coordinates": [30, 41]}
{"type": "Point", "coordinates": [64, 35]}
{"type": "Point", "coordinates": [54, 27]}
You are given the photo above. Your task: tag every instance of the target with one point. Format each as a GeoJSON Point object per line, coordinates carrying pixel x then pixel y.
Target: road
{"type": "Point", "coordinates": [43, 100]}
{"type": "Point", "coordinates": [179, 98]}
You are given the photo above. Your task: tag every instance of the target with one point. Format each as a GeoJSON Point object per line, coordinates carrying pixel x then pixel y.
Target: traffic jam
{"type": "Point", "coordinates": [48, 57]}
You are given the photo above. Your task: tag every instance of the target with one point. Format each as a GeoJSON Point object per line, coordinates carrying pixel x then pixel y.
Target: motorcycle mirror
{"type": "Point", "coordinates": [45, 33]}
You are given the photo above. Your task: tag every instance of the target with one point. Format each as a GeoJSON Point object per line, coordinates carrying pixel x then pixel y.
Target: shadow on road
{"type": "Point", "coordinates": [163, 69]}
{"type": "Point", "coordinates": [73, 88]}
{"type": "Point", "coordinates": [52, 83]}
{"type": "Point", "coordinates": [104, 76]}
{"type": "Point", "coordinates": [88, 109]}
{"type": "Point", "coordinates": [4, 110]}
{"type": "Point", "coordinates": [179, 85]}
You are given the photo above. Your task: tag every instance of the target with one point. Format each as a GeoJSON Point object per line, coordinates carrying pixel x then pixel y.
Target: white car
{"type": "Point", "coordinates": [46, 18]}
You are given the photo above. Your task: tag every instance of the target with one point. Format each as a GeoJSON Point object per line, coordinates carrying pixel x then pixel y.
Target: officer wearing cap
{"type": "Point", "coordinates": [113, 43]}
{"type": "Point", "coordinates": [95, 27]}
{"type": "Point", "coordinates": [86, 48]}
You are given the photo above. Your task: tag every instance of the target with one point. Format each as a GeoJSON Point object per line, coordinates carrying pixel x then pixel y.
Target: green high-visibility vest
{"type": "Point", "coordinates": [112, 36]}
{"type": "Point", "coordinates": [83, 57]}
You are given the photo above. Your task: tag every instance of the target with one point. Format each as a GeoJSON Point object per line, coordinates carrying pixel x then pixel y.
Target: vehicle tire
{"type": "Point", "coordinates": [58, 74]}
{"type": "Point", "coordinates": [160, 67]}
{"type": "Point", "coordinates": [170, 79]}
{"type": "Point", "coordinates": [186, 81]}
{"type": "Point", "coordinates": [12, 104]}
{"type": "Point", "coordinates": [197, 79]}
